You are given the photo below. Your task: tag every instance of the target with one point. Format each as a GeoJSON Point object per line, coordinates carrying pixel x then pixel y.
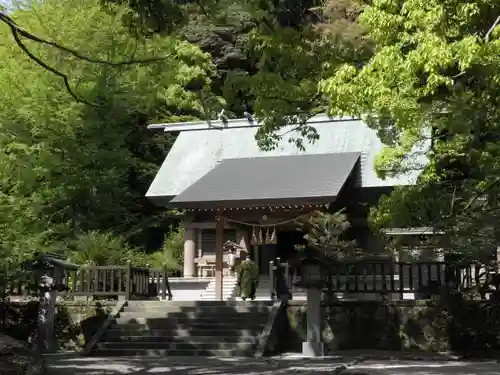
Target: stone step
{"type": "Point", "coordinates": [192, 304]}
{"type": "Point", "coordinates": [226, 289]}
{"type": "Point", "coordinates": [213, 295]}
{"type": "Point", "coordinates": [246, 307]}
{"type": "Point", "coordinates": [173, 353]}
{"type": "Point", "coordinates": [225, 279]}
{"type": "Point", "coordinates": [175, 345]}
{"type": "Point", "coordinates": [186, 328]}
{"type": "Point", "coordinates": [210, 295]}
{"type": "Point", "coordinates": [203, 316]}
{"type": "Point", "coordinates": [205, 321]}
{"type": "Point", "coordinates": [166, 336]}
{"type": "Point", "coordinates": [225, 282]}
{"type": "Point", "coordinates": [225, 293]}
{"type": "Point", "coordinates": [188, 324]}
{"type": "Point", "coordinates": [182, 332]}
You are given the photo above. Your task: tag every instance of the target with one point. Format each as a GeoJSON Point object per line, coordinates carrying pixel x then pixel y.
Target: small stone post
{"type": "Point", "coordinates": [313, 347]}
{"type": "Point", "coordinates": [46, 315]}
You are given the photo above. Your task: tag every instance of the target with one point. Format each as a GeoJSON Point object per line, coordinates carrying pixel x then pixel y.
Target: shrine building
{"type": "Point", "coordinates": [230, 190]}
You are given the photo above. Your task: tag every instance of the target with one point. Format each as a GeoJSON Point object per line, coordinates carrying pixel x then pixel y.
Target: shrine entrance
{"type": "Point", "coordinates": [284, 248]}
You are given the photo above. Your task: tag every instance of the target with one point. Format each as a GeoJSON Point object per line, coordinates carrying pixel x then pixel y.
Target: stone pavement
{"type": "Point", "coordinates": [400, 367]}
{"type": "Point", "coordinates": [74, 364]}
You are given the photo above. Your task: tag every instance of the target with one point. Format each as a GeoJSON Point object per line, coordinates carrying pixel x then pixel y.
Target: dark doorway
{"type": "Point", "coordinates": [267, 253]}
{"type": "Point", "coordinates": [285, 249]}
{"type": "Point", "coordinates": [287, 240]}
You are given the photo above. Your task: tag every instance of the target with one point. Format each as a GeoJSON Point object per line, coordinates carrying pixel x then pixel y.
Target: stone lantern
{"type": "Point", "coordinates": [51, 272]}
{"type": "Point", "coordinates": [313, 279]}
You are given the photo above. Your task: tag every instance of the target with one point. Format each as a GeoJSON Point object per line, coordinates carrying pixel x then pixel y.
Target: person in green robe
{"type": "Point", "coordinates": [248, 279]}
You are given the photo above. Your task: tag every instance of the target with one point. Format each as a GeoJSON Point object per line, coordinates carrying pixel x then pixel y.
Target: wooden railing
{"type": "Point", "coordinates": [421, 278]}
{"type": "Point", "coordinates": [380, 277]}
{"type": "Point", "coordinates": [127, 282]}
{"type": "Point", "coordinates": [24, 285]}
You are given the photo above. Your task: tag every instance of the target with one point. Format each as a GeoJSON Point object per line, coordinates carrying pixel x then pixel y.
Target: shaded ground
{"type": "Point", "coordinates": [77, 365]}
{"type": "Point", "coordinates": [427, 368]}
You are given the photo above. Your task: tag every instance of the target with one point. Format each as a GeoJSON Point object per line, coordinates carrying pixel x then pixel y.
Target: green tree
{"type": "Point", "coordinates": [69, 166]}
{"type": "Point", "coordinates": [431, 88]}
{"type": "Point", "coordinates": [269, 55]}
{"type": "Point", "coordinates": [296, 45]}
{"type": "Point", "coordinates": [102, 249]}
{"type": "Point", "coordinates": [325, 232]}
{"type": "Point", "coordinates": [172, 253]}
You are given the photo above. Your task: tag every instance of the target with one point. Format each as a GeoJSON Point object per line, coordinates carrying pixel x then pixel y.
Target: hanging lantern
{"type": "Point", "coordinates": [254, 240]}
{"type": "Point", "coordinates": [261, 236]}
{"type": "Point", "coordinates": [273, 240]}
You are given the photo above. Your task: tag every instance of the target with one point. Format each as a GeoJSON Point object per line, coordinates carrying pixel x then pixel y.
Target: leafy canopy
{"type": "Point", "coordinates": [67, 169]}
{"type": "Point", "coordinates": [269, 55]}
{"type": "Point", "coordinates": [435, 74]}
{"type": "Point", "coordinates": [325, 233]}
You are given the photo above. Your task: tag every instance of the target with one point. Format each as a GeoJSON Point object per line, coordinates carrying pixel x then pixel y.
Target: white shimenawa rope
{"type": "Point", "coordinates": [266, 225]}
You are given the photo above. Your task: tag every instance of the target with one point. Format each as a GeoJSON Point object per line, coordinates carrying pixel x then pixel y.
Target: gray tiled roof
{"type": "Point", "coordinates": [197, 152]}
{"type": "Point", "coordinates": [271, 179]}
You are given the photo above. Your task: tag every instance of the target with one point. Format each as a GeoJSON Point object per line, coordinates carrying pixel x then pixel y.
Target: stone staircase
{"type": "Point", "coordinates": [182, 328]}
{"type": "Point", "coordinates": [228, 289]}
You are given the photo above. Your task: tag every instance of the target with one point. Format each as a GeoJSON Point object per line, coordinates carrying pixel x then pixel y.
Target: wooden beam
{"type": "Point", "coordinates": [209, 225]}
{"type": "Point", "coordinates": [219, 244]}
{"type": "Point", "coordinates": [263, 208]}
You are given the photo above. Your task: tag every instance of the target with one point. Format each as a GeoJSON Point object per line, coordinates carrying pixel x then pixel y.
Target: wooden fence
{"type": "Point", "coordinates": [380, 277]}
{"type": "Point", "coordinates": [127, 282]}
{"type": "Point", "coordinates": [421, 279]}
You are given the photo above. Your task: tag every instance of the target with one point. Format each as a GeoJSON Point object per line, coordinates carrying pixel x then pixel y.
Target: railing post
{"type": "Point", "coordinates": [169, 291]}
{"type": "Point", "coordinates": [128, 283]}
{"type": "Point", "coordinates": [271, 276]}
{"type": "Point", "coordinates": [164, 283]}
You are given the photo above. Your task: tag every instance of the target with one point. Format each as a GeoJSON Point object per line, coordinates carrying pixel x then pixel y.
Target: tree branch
{"type": "Point", "coordinates": [65, 78]}
{"type": "Point", "coordinates": [476, 197]}
{"type": "Point", "coordinates": [18, 32]}
{"type": "Point", "coordinates": [294, 101]}
{"type": "Point", "coordinates": [26, 34]}
{"type": "Point", "coordinates": [490, 31]}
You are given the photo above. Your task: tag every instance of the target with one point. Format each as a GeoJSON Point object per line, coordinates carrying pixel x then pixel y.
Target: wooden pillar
{"type": "Point", "coordinates": [199, 242]}
{"type": "Point", "coordinates": [219, 242]}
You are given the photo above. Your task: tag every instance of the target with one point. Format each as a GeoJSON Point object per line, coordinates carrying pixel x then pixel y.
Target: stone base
{"type": "Point", "coordinates": [313, 349]}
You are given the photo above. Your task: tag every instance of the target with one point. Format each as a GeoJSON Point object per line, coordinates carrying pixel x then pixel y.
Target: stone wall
{"type": "Point", "coordinates": [83, 319]}
{"type": "Point", "coordinates": [76, 321]}
{"type": "Point", "coordinates": [450, 324]}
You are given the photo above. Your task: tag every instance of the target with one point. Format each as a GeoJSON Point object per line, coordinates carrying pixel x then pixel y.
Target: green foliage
{"type": "Point", "coordinates": [324, 233]}
{"type": "Point", "coordinates": [468, 328]}
{"type": "Point", "coordinates": [295, 46]}
{"type": "Point", "coordinates": [75, 324]}
{"type": "Point", "coordinates": [66, 169]}
{"type": "Point", "coordinates": [172, 253]}
{"type": "Point", "coordinates": [430, 89]}
{"type": "Point", "coordinates": [103, 249]}
{"type": "Point", "coordinates": [269, 55]}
